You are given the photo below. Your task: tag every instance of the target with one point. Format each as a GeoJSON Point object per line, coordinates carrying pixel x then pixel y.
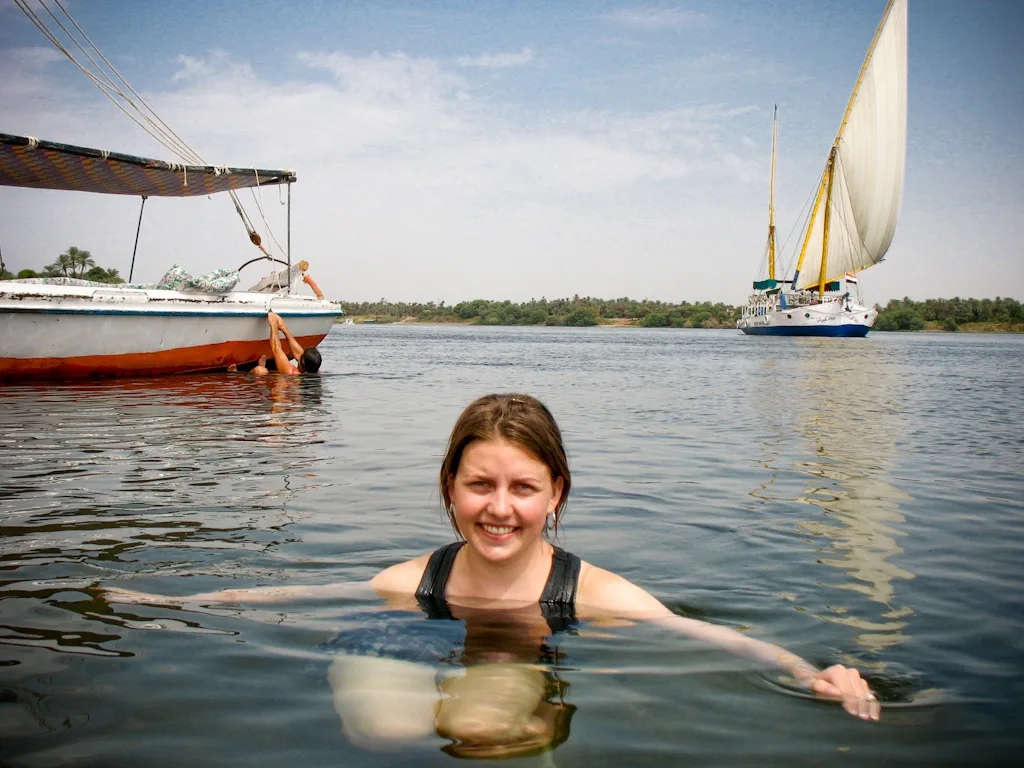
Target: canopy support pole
{"type": "Point", "coordinates": [288, 242]}
{"type": "Point", "coordinates": [131, 270]}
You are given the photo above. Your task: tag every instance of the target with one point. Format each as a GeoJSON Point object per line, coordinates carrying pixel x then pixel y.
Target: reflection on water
{"type": "Point", "coordinates": [847, 408]}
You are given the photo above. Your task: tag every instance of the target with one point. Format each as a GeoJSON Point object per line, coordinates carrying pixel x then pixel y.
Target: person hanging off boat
{"type": "Point", "coordinates": [504, 483]}
{"type": "Point", "coordinates": [306, 360]}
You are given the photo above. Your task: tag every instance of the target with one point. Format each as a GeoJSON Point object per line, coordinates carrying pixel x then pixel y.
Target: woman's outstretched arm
{"type": "Point", "coordinates": [602, 593]}
{"type": "Point", "coordinates": [397, 584]}
{"type": "Point", "coordinates": [244, 595]}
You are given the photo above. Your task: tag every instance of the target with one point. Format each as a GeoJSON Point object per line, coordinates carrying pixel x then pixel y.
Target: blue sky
{"type": "Point", "coordinates": [458, 150]}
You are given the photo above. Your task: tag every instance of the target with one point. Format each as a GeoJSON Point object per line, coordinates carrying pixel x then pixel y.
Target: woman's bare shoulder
{"type": "Point", "coordinates": [605, 593]}
{"type": "Point", "coordinates": [401, 579]}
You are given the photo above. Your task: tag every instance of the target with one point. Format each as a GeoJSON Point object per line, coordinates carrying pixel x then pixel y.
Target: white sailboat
{"type": "Point", "coordinates": [853, 218]}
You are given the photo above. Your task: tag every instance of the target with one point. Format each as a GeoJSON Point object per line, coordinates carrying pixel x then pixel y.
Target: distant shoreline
{"type": "Point", "coordinates": [997, 315]}
{"type": "Point", "coordinates": [620, 322]}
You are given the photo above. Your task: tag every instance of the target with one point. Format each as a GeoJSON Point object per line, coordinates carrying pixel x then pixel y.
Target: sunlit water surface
{"type": "Point", "coordinates": [857, 501]}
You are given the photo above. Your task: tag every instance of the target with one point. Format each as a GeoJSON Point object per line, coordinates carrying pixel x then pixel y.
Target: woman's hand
{"type": "Point", "coordinates": [847, 686]}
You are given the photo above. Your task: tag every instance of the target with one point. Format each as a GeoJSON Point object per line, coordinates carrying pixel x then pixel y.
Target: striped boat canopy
{"type": "Point", "coordinates": [28, 162]}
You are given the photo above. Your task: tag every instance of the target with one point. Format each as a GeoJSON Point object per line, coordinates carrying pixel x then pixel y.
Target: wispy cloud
{"type": "Point", "coordinates": [34, 56]}
{"type": "Point", "coordinates": [657, 17]}
{"type": "Point", "coordinates": [28, 88]}
{"type": "Point", "coordinates": [498, 60]}
{"type": "Point", "coordinates": [218, 63]}
{"type": "Point", "coordinates": [395, 76]}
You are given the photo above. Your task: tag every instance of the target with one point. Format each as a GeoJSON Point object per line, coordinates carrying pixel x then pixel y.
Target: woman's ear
{"type": "Point", "coordinates": [559, 485]}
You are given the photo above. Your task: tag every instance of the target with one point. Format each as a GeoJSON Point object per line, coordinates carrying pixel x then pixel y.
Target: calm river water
{"type": "Point", "coordinates": [857, 501]}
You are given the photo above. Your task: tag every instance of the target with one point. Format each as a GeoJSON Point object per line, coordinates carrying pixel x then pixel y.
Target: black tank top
{"type": "Point", "coordinates": [557, 602]}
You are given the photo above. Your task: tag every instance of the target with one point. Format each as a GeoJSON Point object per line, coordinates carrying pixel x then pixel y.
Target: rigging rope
{"type": "Point", "coordinates": [257, 193]}
{"type": "Point", "coordinates": [803, 220]}
{"type": "Point", "coordinates": [134, 106]}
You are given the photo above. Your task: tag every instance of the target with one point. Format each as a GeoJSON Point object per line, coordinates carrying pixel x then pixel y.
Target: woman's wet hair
{"type": "Point", "coordinates": [519, 419]}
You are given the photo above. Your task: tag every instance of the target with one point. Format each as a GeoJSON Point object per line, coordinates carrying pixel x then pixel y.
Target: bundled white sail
{"type": "Point", "coordinates": [867, 181]}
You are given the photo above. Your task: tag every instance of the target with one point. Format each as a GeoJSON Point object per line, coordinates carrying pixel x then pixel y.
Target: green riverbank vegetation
{"type": "Point", "coordinates": [956, 314]}
{"type": "Point", "coordinates": [74, 262]}
{"type": "Point", "coordinates": [996, 315]}
{"type": "Point", "coordinates": [577, 311]}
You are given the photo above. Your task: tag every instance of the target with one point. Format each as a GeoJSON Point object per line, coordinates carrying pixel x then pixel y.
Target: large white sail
{"type": "Point", "coordinates": [867, 184]}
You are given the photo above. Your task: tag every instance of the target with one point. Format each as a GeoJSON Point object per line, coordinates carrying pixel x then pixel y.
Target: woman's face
{"type": "Point", "coordinates": [502, 494]}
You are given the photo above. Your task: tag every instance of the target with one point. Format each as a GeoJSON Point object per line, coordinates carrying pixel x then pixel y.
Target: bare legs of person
{"type": "Point", "coordinates": [384, 703]}
{"type": "Point", "coordinates": [495, 710]}
{"type": "Point", "coordinates": [260, 369]}
{"type": "Point", "coordinates": [488, 710]}
{"type": "Point", "coordinates": [281, 358]}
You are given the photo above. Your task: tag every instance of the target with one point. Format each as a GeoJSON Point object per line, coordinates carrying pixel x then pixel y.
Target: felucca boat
{"type": "Point", "coordinates": [852, 221]}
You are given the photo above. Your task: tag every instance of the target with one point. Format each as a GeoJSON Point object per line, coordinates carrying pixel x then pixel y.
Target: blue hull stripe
{"type": "Point", "coordinates": [809, 330]}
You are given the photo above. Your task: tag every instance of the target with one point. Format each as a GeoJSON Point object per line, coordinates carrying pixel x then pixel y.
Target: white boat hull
{"type": "Point", "coordinates": [50, 331]}
{"type": "Point", "coordinates": [829, 318]}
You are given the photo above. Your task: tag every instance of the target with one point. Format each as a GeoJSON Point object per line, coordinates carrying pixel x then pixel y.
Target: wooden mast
{"type": "Point", "coordinates": [825, 225]}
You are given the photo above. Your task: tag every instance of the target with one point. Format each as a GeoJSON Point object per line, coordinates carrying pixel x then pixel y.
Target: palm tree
{"type": "Point", "coordinates": [64, 265]}
{"type": "Point", "coordinates": [81, 261]}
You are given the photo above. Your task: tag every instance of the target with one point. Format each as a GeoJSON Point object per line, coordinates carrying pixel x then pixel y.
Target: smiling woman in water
{"type": "Point", "coordinates": [504, 482]}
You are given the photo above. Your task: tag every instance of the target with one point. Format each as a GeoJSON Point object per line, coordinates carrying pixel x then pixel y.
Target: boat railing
{"type": "Point", "coordinates": [760, 304]}
{"type": "Point", "coordinates": [806, 298]}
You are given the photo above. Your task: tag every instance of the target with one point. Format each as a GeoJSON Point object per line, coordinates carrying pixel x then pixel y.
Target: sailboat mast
{"type": "Point", "coordinates": [771, 199]}
{"type": "Point", "coordinates": [831, 172]}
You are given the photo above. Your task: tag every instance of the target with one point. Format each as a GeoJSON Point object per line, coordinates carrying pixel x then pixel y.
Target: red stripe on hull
{"type": "Point", "coordinates": [183, 360]}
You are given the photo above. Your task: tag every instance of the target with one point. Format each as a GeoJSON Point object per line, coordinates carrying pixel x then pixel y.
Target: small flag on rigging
{"type": "Point", "coordinates": [851, 278]}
